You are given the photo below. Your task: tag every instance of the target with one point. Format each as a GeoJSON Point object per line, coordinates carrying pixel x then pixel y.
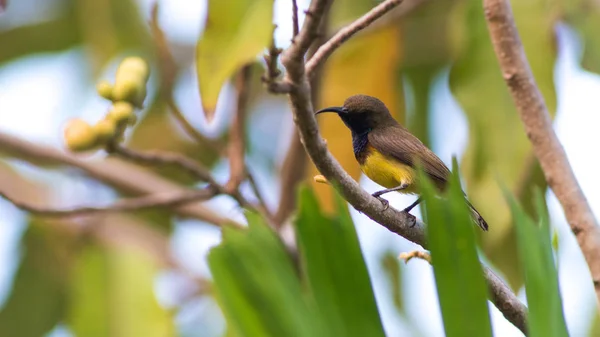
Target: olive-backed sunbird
{"type": "Point", "coordinates": [388, 153]}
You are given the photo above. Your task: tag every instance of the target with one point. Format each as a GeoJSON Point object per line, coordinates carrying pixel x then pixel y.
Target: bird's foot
{"type": "Point", "coordinates": [385, 203]}
{"type": "Point", "coordinates": [412, 220]}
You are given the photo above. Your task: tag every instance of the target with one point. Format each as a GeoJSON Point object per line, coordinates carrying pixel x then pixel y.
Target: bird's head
{"type": "Point", "coordinates": [362, 113]}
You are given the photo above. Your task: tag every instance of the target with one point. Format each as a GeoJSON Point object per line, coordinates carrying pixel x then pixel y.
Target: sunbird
{"type": "Point", "coordinates": [388, 153]}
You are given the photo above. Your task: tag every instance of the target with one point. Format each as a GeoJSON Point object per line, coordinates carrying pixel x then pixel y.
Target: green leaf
{"type": "Point", "coordinates": [37, 301]}
{"type": "Point", "coordinates": [256, 284]}
{"type": "Point", "coordinates": [112, 294]}
{"type": "Point", "coordinates": [391, 267]}
{"type": "Point", "coordinates": [458, 276]}
{"type": "Point", "coordinates": [498, 145]}
{"type": "Point", "coordinates": [262, 292]}
{"type": "Point", "coordinates": [335, 269]}
{"type": "Point", "coordinates": [541, 279]}
{"type": "Point", "coordinates": [235, 33]}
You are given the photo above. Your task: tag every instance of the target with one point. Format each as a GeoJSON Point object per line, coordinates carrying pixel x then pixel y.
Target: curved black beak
{"type": "Point", "coordinates": [336, 109]}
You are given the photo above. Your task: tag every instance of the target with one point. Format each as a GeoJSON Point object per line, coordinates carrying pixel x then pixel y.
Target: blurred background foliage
{"type": "Point", "coordinates": [98, 276]}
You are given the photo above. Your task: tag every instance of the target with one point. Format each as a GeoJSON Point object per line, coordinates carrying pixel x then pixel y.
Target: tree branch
{"type": "Point", "coordinates": [114, 172]}
{"type": "Point", "coordinates": [149, 201]}
{"type": "Point", "coordinates": [237, 144]}
{"type": "Point", "coordinates": [294, 165]}
{"type": "Point", "coordinates": [538, 126]}
{"type": "Point", "coordinates": [296, 26]}
{"type": "Point", "coordinates": [347, 32]}
{"type": "Point", "coordinates": [162, 158]}
{"type": "Point", "coordinates": [395, 221]}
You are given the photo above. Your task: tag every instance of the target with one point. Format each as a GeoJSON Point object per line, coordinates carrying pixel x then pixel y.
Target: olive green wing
{"type": "Point", "coordinates": [398, 143]}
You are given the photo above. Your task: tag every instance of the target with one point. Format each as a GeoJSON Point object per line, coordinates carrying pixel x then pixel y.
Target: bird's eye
{"type": "Point", "coordinates": [345, 110]}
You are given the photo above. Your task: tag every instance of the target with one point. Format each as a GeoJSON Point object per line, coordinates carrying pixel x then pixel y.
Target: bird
{"type": "Point", "coordinates": [389, 154]}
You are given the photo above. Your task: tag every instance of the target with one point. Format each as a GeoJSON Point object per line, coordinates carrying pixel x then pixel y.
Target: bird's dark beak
{"type": "Point", "coordinates": [337, 109]}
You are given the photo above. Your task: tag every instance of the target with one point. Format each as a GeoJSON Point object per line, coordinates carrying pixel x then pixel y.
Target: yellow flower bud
{"type": "Point", "coordinates": [121, 112]}
{"type": "Point", "coordinates": [130, 88]}
{"type": "Point", "coordinates": [105, 130]}
{"type": "Point", "coordinates": [134, 66]}
{"type": "Point", "coordinates": [79, 136]}
{"type": "Point", "coordinates": [105, 90]}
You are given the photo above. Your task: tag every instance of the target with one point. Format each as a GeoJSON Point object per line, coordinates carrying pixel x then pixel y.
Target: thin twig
{"type": "Point", "coordinates": [347, 32]}
{"type": "Point", "coordinates": [181, 161]}
{"type": "Point", "coordinates": [149, 201]}
{"type": "Point", "coordinates": [296, 26]}
{"type": "Point", "coordinates": [162, 158]}
{"type": "Point", "coordinates": [538, 126]}
{"type": "Point", "coordinates": [258, 195]}
{"type": "Point", "coordinates": [394, 220]}
{"type": "Point", "coordinates": [189, 129]}
{"type": "Point", "coordinates": [271, 77]}
{"type": "Point", "coordinates": [117, 173]}
{"type": "Point", "coordinates": [168, 72]}
{"type": "Point", "coordinates": [237, 146]}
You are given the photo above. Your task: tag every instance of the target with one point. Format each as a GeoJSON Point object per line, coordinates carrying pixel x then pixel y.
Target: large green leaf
{"type": "Point", "coordinates": [37, 301]}
{"type": "Point", "coordinates": [235, 33]}
{"type": "Point", "coordinates": [262, 293]}
{"type": "Point", "coordinates": [257, 287]}
{"type": "Point", "coordinates": [458, 276]}
{"type": "Point", "coordinates": [541, 279]}
{"type": "Point", "coordinates": [498, 146]}
{"type": "Point", "coordinates": [112, 294]}
{"type": "Point", "coordinates": [335, 269]}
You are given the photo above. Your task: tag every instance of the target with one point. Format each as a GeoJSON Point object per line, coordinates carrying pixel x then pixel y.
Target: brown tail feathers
{"type": "Point", "coordinates": [479, 220]}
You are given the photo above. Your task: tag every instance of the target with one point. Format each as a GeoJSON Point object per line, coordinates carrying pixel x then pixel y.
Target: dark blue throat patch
{"type": "Point", "coordinates": [359, 144]}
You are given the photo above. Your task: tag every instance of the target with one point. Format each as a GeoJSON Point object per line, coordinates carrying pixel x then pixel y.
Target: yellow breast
{"type": "Point", "coordinates": [388, 172]}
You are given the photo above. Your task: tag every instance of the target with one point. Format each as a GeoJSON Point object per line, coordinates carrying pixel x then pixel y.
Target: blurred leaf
{"type": "Point", "coordinates": [111, 26]}
{"type": "Point", "coordinates": [256, 285]}
{"type": "Point", "coordinates": [584, 16]}
{"type": "Point", "coordinates": [458, 276]}
{"type": "Point", "coordinates": [37, 301]}
{"type": "Point", "coordinates": [366, 64]}
{"type": "Point", "coordinates": [497, 145]}
{"type": "Point", "coordinates": [113, 295]}
{"type": "Point", "coordinates": [391, 266]}
{"type": "Point", "coordinates": [235, 33]}
{"type": "Point", "coordinates": [541, 279]}
{"type": "Point", "coordinates": [595, 325]}
{"type": "Point", "coordinates": [56, 34]}
{"type": "Point", "coordinates": [89, 308]}
{"type": "Point", "coordinates": [262, 294]}
{"type": "Point", "coordinates": [335, 269]}
{"type": "Point", "coordinates": [428, 44]}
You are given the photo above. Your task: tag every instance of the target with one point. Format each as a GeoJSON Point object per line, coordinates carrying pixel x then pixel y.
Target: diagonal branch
{"type": "Point", "coordinates": [347, 32]}
{"type": "Point", "coordinates": [538, 126]}
{"type": "Point", "coordinates": [394, 220]}
{"type": "Point", "coordinates": [117, 173]}
{"type": "Point", "coordinates": [149, 201]}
